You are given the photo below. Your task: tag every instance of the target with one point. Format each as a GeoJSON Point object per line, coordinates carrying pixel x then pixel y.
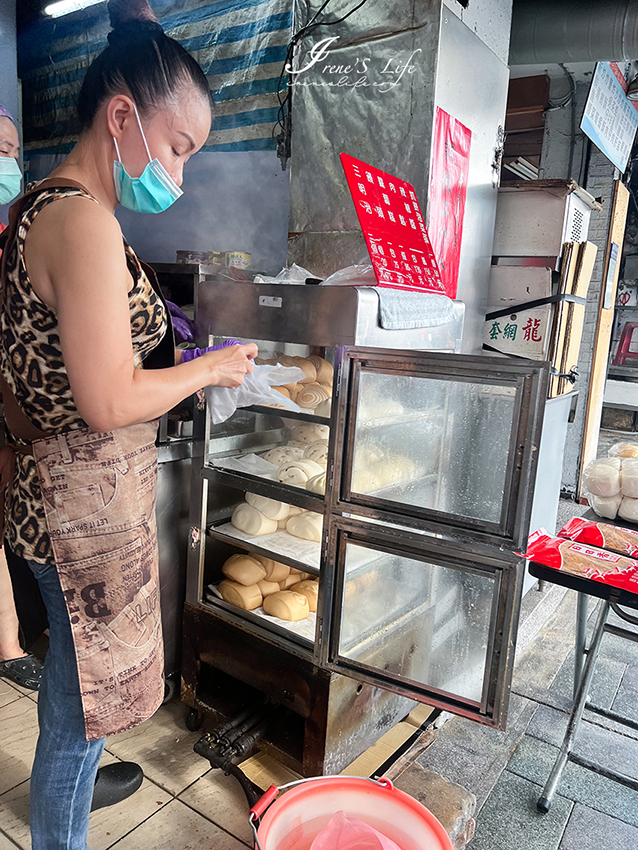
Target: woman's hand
{"type": "Point", "coordinates": [77, 265]}
{"type": "Point", "coordinates": [230, 365]}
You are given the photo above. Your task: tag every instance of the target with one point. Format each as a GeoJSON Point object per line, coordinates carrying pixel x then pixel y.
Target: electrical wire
{"type": "Point", "coordinates": [572, 143]}
{"type": "Point", "coordinates": [284, 113]}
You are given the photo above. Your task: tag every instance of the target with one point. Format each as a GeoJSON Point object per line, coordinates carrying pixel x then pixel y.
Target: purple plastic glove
{"type": "Point", "coordinates": [189, 354]}
{"type": "Point", "coordinates": [184, 328]}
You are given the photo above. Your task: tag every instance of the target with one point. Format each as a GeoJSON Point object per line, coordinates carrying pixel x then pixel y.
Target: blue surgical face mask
{"type": "Point", "coordinates": [153, 192]}
{"type": "Point", "coordinates": [10, 179]}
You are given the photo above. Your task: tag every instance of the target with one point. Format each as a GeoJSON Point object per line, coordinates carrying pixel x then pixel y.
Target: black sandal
{"type": "Point", "coordinates": [25, 671]}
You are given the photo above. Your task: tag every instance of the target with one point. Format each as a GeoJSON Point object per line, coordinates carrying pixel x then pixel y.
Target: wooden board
{"type": "Point", "coordinates": [562, 323]}
{"type": "Point", "coordinates": [585, 268]}
{"type": "Point", "coordinates": [603, 337]}
{"type": "Point", "coordinates": [577, 266]}
{"type": "Point", "coordinates": [264, 770]}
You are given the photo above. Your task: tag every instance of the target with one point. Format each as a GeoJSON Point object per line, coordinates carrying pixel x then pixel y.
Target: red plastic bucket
{"type": "Point", "coordinates": [294, 820]}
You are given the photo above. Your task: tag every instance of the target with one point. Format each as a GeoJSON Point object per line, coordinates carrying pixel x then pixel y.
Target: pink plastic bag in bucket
{"type": "Point", "coordinates": [371, 814]}
{"type": "Point", "coordinates": [343, 833]}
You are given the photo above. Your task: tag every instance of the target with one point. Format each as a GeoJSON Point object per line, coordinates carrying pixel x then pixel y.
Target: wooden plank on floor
{"type": "Point", "coordinates": [419, 715]}
{"type": "Point", "coordinates": [264, 770]}
{"type": "Point", "coordinates": [380, 752]}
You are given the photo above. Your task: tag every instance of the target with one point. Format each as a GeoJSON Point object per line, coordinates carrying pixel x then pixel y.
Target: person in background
{"type": "Point", "coordinates": [19, 666]}
{"type": "Point", "coordinates": [88, 364]}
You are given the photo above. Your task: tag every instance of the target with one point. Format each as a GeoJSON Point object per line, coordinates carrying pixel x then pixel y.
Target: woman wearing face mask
{"type": "Point", "coordinates": [87, 356]}
{"type": "Point", "coordinates": [10, 174]}
{"type": "Point", "coordinates": [20, 667]}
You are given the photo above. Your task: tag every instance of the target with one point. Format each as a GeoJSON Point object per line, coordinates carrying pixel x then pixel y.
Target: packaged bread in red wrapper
{"type": "Point", "coordinates": [603, 535]}
{"type": "Point", "coordinates": [582, 560]}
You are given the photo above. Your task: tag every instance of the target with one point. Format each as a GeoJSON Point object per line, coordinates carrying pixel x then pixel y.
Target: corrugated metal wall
{"type": "Point", "coordinates": [240, 44]}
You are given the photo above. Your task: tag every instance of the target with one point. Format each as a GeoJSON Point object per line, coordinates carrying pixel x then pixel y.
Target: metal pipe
{"type": "Point", "coordinates": [546, 31]}
{"type": "Point", "coordinates": [545, 800]}
{"type": "Point", "coordinates": [612, 715]}
{"type": "Point", "coordinates": [582, 603]}
{"type": "Point", "coordinates": [223, 728]}
{"type": "Point", "coordinates": [257, 717]}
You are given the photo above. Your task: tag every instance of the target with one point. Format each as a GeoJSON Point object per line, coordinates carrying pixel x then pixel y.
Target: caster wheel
{"type": "Point", "coordinates": [169, 690]}
{"type": "Point", "coordinates": [194, 720]}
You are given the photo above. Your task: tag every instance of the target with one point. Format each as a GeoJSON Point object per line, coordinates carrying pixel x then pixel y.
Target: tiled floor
{"type": "Point", "coordinates": [507, 770]}
{"type": "Point", "coordinates": [182, 804]}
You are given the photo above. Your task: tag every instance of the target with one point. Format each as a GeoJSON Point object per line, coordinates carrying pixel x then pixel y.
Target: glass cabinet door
{"type": "Point", "coordinates": [258, 504]}
{"type": "Point", "coordinates": [429, 618]}
{"type": "Point", "coordinates": [444, 439]}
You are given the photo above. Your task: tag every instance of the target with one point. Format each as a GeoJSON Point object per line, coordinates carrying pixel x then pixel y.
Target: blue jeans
{"type": "Point", "coordinates": [65, 764]}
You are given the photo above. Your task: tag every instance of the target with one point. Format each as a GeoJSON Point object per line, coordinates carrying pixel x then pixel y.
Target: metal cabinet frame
{"type": "Point", "coordinates": [465, 544]}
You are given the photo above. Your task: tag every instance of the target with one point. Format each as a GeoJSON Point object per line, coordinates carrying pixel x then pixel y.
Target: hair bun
{"type": "Point", "coordinates": [131, 11]}
{"type": "Point", "coordinates": [131, 32]}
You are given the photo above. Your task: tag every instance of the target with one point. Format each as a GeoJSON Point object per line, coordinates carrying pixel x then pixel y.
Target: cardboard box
{"type": "Point", "coordinates": [546, 332]}
{"type": "Point", "coordinates": [523, 333]}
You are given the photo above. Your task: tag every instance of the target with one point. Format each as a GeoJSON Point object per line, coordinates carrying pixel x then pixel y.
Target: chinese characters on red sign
{"type": "Point", "coordinates": [448, 189]}
{"type": "Point", "coordinates": [393, 226]}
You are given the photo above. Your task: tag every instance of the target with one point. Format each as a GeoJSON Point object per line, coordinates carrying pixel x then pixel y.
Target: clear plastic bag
{"type": "Point", "coordinates": [292, 274]}
{"type": "Point", "coordinates": [344, 833]}
{"type": "Point", "coordinates": [601, 477]}
{"type": "Point", "coordinates": [628, 509]}
{"type": "Point", "coordinates": [256, 389]}
{"type": "Point", "coordinates": [359, 275]}
{"type": "Point", "coordinates": [605, 506]}
{"type": "Point", "coordinates": [625, 448]}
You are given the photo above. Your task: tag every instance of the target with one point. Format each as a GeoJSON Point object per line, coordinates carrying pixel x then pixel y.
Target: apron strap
{"type": "Point", "coordinates": [163, 355]}
{"type": "Point", "coordinates": [16, 422]}
{"type": "Point", "coordinates": [15, 211]}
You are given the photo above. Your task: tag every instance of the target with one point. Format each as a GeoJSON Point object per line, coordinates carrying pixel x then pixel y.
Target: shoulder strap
{"type": "Point", "coordinates": [15, 211]}
{"type": "Point", "coordinates": [17, 422]}
{"type": "Point", "coordinates": [163, 355]}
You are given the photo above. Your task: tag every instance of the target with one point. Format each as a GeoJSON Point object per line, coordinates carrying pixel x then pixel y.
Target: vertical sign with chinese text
{"type": "Point", "coordinates": [392, 223]}
{"type": "Point", "coordinates": [448, 190]}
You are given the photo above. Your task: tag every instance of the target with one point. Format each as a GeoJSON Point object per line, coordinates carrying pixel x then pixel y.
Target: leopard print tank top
{"type": "Point", "coordinates": [32, 364]}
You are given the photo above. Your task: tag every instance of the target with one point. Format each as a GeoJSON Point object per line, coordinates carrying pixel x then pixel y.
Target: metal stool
{"type": "Point", "coordinates": [623, 352]}
{"type": "Point", "coordinates": [611, 599]}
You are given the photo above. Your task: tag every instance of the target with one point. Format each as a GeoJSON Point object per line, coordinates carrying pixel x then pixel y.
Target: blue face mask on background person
{"type": "Point", "coordinates": [10, 179]}
{"type": "Point", "coordinates": [153, 192]}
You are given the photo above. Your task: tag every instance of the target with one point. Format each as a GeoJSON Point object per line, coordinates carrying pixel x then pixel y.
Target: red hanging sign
{"type": "Point", "coordinates": [395, 233]}
{"type": "Point", "coordinates": [448, 189]}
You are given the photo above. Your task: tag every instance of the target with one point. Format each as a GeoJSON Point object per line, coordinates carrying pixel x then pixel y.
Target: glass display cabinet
{"type": "Point", "coordinates": [405, 524]}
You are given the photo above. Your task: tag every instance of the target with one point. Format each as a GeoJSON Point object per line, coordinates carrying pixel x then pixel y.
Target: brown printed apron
{"type": "Point", "coordinates": [98, 491]}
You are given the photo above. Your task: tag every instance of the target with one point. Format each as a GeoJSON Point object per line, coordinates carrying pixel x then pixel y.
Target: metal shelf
{"type": "Point", "coordinates": [300, 630]}
{"type": "Point", "coordinates": [399, 419]}
{"type": "Point", "coordinates": [303, 555]}
{"type": "Point", "coordinates": [288, 414]}
{"type": "Point", "coordinates": [263, 486]}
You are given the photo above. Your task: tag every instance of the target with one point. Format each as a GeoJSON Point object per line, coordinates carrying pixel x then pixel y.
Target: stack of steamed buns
{"type": "Point", "coordinates": [303, 460]}
{"type": "Point", "coordinates": [254, 581]}
{"type": "Point", "coordinates": [313, 392]}
{"type": "Point", "coordinates": [611, 483]}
